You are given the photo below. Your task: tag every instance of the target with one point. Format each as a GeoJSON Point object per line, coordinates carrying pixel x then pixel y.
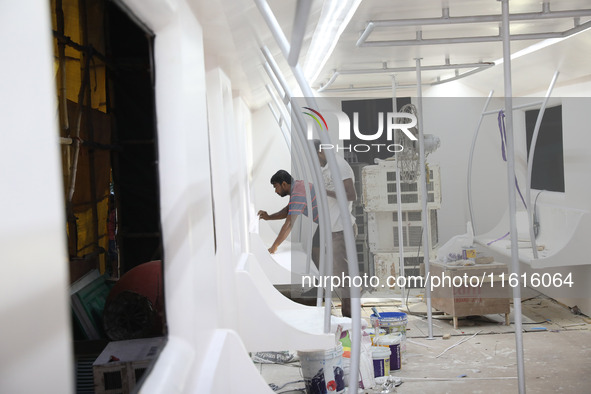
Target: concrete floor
{"type": "Point", "coordinates": [557, 352]}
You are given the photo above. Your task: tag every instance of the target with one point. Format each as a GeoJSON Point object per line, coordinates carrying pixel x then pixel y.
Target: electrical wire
{"type": "Point", "coordinates": [274, 387]}
{"type": "Point", "coordinates": [408, 290]}
{"type": "Point", "coordinates": [536, 223]}
{"type": "Point", "coordinates": [458, 343]}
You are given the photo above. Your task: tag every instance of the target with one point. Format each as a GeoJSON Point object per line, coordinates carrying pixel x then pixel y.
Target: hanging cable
{"type": "Point", "coordinates": [501, 120]}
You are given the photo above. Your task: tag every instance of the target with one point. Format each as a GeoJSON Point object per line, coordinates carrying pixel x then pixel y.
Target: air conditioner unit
{"type": "Point", "coordinates": [382, 231]}
{"type": "Point", "coordinates": [386, 265]}
{"type": "Point", "coordinates": [412, 229]}
{"type": "Point", "coordinates": [122, 364]}
{"type": "Point", "coordinates": [380, 194]}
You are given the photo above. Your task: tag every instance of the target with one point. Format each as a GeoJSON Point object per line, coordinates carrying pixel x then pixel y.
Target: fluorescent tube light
{"type": "Point", "coordinates": [335, 16]}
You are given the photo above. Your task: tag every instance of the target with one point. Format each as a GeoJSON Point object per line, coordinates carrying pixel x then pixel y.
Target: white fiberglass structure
{"type": "Point", "coordinates": [216, 155]}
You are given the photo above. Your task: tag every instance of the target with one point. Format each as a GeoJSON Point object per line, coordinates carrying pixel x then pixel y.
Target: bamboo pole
{"type": "Point", "coordinates": [88, 57]}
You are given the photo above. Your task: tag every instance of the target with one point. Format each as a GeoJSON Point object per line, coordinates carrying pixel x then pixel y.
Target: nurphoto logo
{"type": "Point", "coordinates": [394, 121]}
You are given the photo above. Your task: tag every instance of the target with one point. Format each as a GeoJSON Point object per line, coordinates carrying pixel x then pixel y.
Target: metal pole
{"type": "Point", "coordinates": [520, 106]}
{"type": "Point", "coordinates": [299, 30]}
{"type": "Point", "coordinates": [512, 193]}
{"type": "Point", "coordinates": [398, 199]}
{"type": "Point", "coordinates": [424, 191]}
{"type": "Point", "coordinates": [387, 70]}
{"type": "Point", "coordinates": [301, 168]}
{"type": "Point", "coordinates": [471, 157]}
{"type": "Point", "coordinates": [323, 219]}
{"type": "Point", "coordinates": [340, 193]}
{"type": "Point", "coordinates": [443, 20]}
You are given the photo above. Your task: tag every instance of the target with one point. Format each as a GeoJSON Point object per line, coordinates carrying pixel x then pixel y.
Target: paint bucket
{"type": "Point", "coordinates": [381, 360]}
{"type": "Point", "coordinates": [392, 342]}
{"type": "Point", "coordinates": [371, 332]}
{"type": "Point", "coordinates": [469, 254]}
{"type": "Point", "coordinates": [392, 322]}
{"type": "Point", "coordinates": [323, 370]}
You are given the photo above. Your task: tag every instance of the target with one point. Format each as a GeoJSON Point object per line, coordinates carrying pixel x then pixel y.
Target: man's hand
{"type": "Point", "coordinates": [273, 249]}
{"type": "Point", "coordinates": [263, 215]}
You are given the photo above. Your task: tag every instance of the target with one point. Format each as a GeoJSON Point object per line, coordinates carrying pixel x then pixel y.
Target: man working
{"type": "Point", "coordinates": [338, 238]}
{"type": "Point", "coordinates": [284, 185]}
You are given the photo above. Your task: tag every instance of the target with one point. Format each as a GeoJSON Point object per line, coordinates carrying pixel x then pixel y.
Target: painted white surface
{"type": "Point", "coordinates": [269, 321]}
{"type": "Point", "coordinates": [200, 345]}
{"type": "Point", "coordinates": [454, 121]}
{"type": "Point", "coordinates": [36, 337]}
{"type": "Point", "coordinates": [36, 341]}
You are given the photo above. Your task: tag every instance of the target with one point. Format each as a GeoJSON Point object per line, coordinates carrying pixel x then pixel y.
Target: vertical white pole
{"type": "Point", "coordinates": [398, 199]}
{"type": "Point", "coordinates": [470, 159]}
{"type": "Point", "coordinates": [424, 191]}
{"type": "Point", "coordinates": [324, 222]}
{"type": "Point", "coordinates": [512, 193]}
{"type": "Point", "coordinates": [343, 204]}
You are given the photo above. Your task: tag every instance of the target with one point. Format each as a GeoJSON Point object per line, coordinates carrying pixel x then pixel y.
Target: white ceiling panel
{"type": "Point", "coordinates": [234, 31]}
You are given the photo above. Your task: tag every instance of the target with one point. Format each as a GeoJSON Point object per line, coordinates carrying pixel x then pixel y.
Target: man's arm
{"type": "Point", "coordinates": [349, 190]}
{"type": "Point", "coordinates": [283, 233]}
{"type": "Point", "coordinates": [275, 216]}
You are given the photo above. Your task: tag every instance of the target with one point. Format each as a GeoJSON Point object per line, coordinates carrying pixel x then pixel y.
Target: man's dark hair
{"type": "Point", "coordinates": [280, 177]}
{"type": "Point", "coordinates": [316, 145]}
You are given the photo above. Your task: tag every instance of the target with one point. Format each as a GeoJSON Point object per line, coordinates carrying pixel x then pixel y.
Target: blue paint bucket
{"type": "Point", "coordinates": [392, 322]}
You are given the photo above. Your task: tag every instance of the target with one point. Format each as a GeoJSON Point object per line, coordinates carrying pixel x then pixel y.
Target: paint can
{"type": "Point", "coordinates": [381, 360]}
{"type": "Point", "coordinates": [392, 342]}
{"type": "Point", "coordinates": [469, 254]}
{"type": "Point", "coordinates": [323, 370]}
{"type": "Point", "coordinates": [392, 322]}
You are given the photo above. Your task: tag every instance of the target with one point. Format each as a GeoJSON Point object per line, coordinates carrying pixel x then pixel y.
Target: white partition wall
{"type": "Point", "coordinates": [248, 303]}
{"type": "Point", "coordinates": [201, 349]}
{"type": "Point", "coordinates": [225, 172]}
{"type": "Point", "coordinates": [242, 139]}
{"type": "Point", "coordinates": [36, 341]}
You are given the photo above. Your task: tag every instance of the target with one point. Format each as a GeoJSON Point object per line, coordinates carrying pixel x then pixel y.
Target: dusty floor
{"type": "Point", "coordinates": [557, 352]}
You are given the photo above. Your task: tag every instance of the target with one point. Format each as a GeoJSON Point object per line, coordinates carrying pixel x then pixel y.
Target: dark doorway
{"type": "Point", "coordinates": [548, 163]}
{"type": "Point", "coordinates": [135, 165]}
{"type": "Point", "coordinates": [106, 96]}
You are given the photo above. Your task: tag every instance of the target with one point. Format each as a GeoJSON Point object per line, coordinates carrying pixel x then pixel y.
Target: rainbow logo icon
{"type": "Point", "coordinates": [315, 118]}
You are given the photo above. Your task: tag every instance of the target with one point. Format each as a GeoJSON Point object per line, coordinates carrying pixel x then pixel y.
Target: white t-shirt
{"type": "Point", "coordinates": [333, 207]}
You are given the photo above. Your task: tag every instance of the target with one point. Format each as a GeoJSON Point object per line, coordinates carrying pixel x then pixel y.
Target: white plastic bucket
{"type": "Point", "coordinates": [392, 341]}
{"type": "Point", "coordinates": [381, 360]}
{"type": "Point", "coordinates": [323, 370]}
{"type": "Point", "coordinates": [392, 322]}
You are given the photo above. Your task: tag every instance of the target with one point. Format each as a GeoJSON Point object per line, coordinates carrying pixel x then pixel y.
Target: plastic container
{"type": "Point", "coordinates": [392, 342]}
{"type": "Point", "coordinates": [323, 370]}
{"type": "Point", "coordinates": [392, 322]}
{"type": "Point", "coordinates": [366, 378]}
{"type": "Point", "coordinates": [371, 332]}
{"type": "Point", "coordinates": [469, 253]}
{"type": "Point", "coordinates": [381, 360]}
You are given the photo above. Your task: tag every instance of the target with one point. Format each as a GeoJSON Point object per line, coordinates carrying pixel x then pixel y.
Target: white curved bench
{"type": "Point", "coordinates": [267, 320]}
{"type": "Point", "coordinates": [564, 234]}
